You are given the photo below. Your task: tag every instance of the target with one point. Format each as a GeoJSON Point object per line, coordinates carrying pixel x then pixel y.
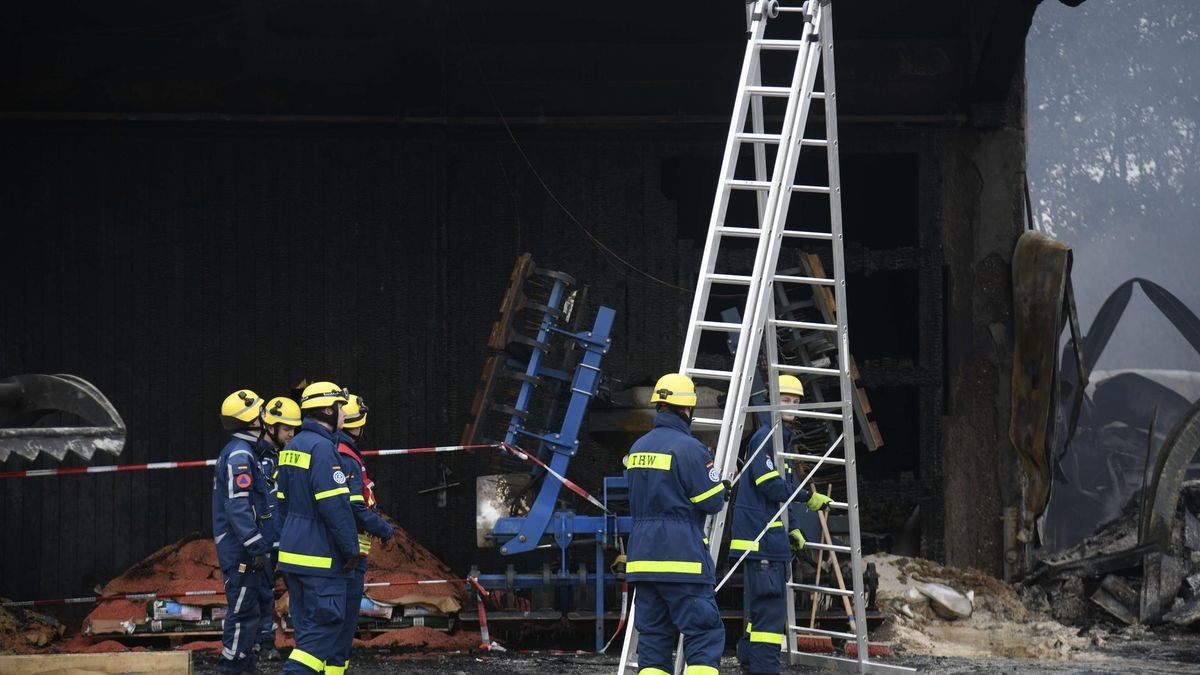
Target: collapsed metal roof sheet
{"type": "Point", "coordinates": [27, 400]}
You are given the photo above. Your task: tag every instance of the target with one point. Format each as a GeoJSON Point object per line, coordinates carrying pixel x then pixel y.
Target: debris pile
{"type": "Point", "coordinates": [1119, 574]}
{"type": "Point", "coordinates": [947, 611]}
{"type": "Point", "coordinates": [23, 631]}
{"type": "Point", "coordinates": [190, 565]}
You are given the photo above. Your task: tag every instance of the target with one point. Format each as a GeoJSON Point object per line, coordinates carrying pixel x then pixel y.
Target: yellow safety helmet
{"type": "Point", "coordinates": [790, 384]}
{"type": "Point", "coordinates": [240, 409]}
{"type": "Point", "coordinates": [323, 395]}
{"type": "Point", "coordinates": [356, 412]}
{"type": "Point", "coordinates": [674, 389]}
{"type": "Point", "coordinates": [282, 410]}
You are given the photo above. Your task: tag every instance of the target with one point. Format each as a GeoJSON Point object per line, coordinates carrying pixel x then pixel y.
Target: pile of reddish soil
{"type": "Point", "coordinates": [405, 559]}
{"type": "Point", "coordinates": [24, 632]}
{"type": "Point", "coordinates": [213, 646]}
{"type": "Point", "coordinates": [426, 640]}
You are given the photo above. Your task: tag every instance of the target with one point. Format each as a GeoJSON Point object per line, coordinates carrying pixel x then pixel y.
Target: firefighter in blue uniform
{"type": "Point", "coordinates": [318, 546]}
{"type": "Point", "coordinates": [239, 506]}
{"type": "Point", "coordinates": [762, 489]}
{"type": "Point", "coordinates": [281, 418]}
{"type": "Point", "coordinates": [672, 487]}
{"type": "Point", "coordinates": [369, 522]}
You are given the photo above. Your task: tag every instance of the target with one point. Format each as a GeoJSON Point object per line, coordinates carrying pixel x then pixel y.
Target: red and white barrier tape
{"type": "Point", "coordinates": [624, 616]}
{"type": "Point", "coordinates": [154, 466]}
{"type": "Point", "coordinates": [570, 485]}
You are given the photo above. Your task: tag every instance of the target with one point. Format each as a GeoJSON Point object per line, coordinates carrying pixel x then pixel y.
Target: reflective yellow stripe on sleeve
{"type": "Point", "coordinates": [708, 493]}
{"type": "Point", "coordinates": [331, 493]}
{"type": "Point", "coordinates": [302, 560]}
{"type": "Point", "coordinates": [743, 545]}
{"type": "Point", "coordinates": [778, 523]}
{"type": "Point", "coordinates": [357, 498]}
{"type": "Point", "coordinates": [280, 495]}
{"type": "Point", "coordinates": [650, 460]}
{"type": "Point", "coordinates": [765, 477]}
{"type": "Point", "coordinates": [304, 658]}
{"type": "Point", "coordinates": [664, 566]}
{"type": "Point", "coordinates": [295, 458]}
{"type": "Point", "coordinates": [768, 638]}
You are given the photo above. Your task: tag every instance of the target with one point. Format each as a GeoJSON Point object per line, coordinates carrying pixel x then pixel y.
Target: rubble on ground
{"type": "Point", "coordinates": [1113, 577]}
{"type": "Point", "coordinates": [191, 564]}
{"type": "Point", "coordinates": [24, 632]}
{"type": "Point", "coordinates": [984, 617]}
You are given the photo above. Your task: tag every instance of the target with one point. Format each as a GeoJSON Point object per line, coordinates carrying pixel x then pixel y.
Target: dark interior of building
{"type": "Point", "coordinates": [204, 196]}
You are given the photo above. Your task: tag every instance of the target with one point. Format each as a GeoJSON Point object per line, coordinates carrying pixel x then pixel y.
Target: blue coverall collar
{"type": "Point", "coordinates": [309, 424]}
{"type": "Point", "coordinates": [672, 421]}
{"type": "Point", "coordinates": [347, 439]}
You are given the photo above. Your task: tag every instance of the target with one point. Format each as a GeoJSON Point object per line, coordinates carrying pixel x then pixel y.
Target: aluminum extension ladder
{"type": "Point", "coordinates": [772, 194]}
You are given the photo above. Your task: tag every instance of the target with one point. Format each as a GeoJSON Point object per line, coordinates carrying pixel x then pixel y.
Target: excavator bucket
{"type": "Point", "coordinates": [26, 401]}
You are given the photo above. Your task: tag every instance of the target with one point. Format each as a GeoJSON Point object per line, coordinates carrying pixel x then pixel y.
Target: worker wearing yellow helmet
{"type": "Point", "coordinates": [239, 500]}
{"type": "Point", "coordinates": [281, 419]}
{"type": "Point", "coordinates": [366, 517]}
{"type": "Point", "coordinates": [764, 486]}
{"type": "Point", "coordinates": [673, 485]}
{"type": "Point", "coordinates": [318, 547]}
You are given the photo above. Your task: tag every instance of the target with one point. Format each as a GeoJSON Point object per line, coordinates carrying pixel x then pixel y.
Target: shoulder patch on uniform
{"type": "Point", "coordinates": [339, 477]}
{"type": "Point", "coordinates": [714, 475]}
{"type": "Point", "coordinates": [243, 480]}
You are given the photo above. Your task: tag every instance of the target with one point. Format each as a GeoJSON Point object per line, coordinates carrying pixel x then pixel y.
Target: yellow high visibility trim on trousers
{"type": "Point", "coordinates": [331, 493]}
{"type": "Point", "coordinates": [357, 498]}
{"type": "Point", "coordinates": [650, 460]}
{"type": "Point", "coordinates": [302, 560]}
{"type": "Point", "coordinates": [765, 477]}
{"type": "Point", "coordinates": [653, 671]}
{"type": "Point", "coordinates": [304, 658]}
{"type": "Point", "coordinates": [295, 458]}
{"type": "Point", "coordinates": [664, 566]}
{"type": "Point", "coordinates": [705, 495]}
{"type": "Point", "coordinates": [767, 638]}
{"type": "Point", "coordinates": [337, 670]}
{"type": "Point", "coordinates": [743, 545]}
{"type": "Point", "coordinates": [701, 670]}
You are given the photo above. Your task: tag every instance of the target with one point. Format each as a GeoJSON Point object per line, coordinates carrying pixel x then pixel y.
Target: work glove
{"type": "Point", "coordinates": [728, 488]}
{"type": "Point", "coordinates": [260, 561]}
{"type": "Point", "coordinates": [818, 502]}
{"type": "Point", "coordinates": [618, 566]}
{"type": "Point", "coordinates": [796, 540]}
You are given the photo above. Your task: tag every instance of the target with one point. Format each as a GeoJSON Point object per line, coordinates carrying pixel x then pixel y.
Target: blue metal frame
{"type": "Point", "coordinates": [523, 534]}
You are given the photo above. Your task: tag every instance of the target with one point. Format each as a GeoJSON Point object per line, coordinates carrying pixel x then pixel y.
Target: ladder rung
{"type": "Point", "coordinates": [820, 631]}
{"type": "Point", "coordinates": [805, 325]}
{"type": "Point", "coordinates": [803, 234]}
{"type": "Point", "coordinates": [720, 326]}
{"type": "Point", "coordinates": [746, 232]}
{"type": "Point", "coordinates": [709, 422]}
{"type": "Point", "coordinates": [815, 281]}
{"type": "Point", "coordinates": [736, 279]}
{"type": "Point", "coordinates": [782, 44]}
{"type": "Point", "coordinates": [808, 370]}
{"type": "Point", "coordinates": [836, 461]}
{"type": "Point", "coordinates": [821, 589]}
{"type": "Point", "coordinates": [781, 92]}
{"type": "Point", "coordinates": [738, 184]}
{"type": "Point", "coordinates": [815, 189]}
{"type": "Point", "coordinates": [819, 95]}
{"type": "Point", "coordinates": [794, 407]}
{"type": "Point", "coordinates": [815, 142]}
{"type": "Point", "coordinates": [838, 505]}
{"type": "Point", "coordinates": [758, 138]}
{"type": "Point", "coordinates": [707, 374]}
{"type": "Point", "coordinates": [818, 415]}
{"type": "Point", "coordinates": [827, 547]}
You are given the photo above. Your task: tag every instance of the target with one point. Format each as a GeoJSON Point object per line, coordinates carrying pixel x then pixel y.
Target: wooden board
{"type": "Point", "coordinates": [165, 663]}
